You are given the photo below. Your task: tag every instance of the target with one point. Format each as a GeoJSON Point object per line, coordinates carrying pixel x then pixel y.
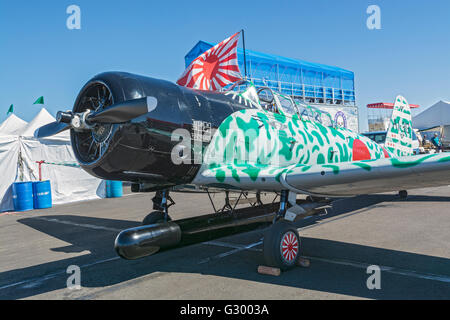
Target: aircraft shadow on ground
{"type": "Point", "coordinates": [321, 276]}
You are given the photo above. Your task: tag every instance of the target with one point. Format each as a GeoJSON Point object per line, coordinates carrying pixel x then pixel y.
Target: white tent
{"type": "Point", "coordinates": [435, 116]}
{"type": "Point", "coordinates": [20, 153]}
{"type": "Point", "coordinates": [41, 119]}
{"type": "Point", "coordinates": [9, 156]}
{"type": "Point", "coordinates": [12, 126]}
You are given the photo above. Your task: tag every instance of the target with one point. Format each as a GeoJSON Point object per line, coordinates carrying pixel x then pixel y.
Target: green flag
{"type": "Point", "coordinates": [10, 110]}
{"type": "Point", "coordinates": [39, 101]}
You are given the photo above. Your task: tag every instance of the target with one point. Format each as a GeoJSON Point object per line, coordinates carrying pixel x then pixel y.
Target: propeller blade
{"type": "Point", "coordinates": [51, 129]}
{"type": "Point", "coordinates": [125, 111]}
{"type": "Point", "coordinates": [117, 113]}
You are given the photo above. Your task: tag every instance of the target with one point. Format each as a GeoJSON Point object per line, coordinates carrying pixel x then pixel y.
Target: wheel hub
{"type": "Point", "coordinates": [289, 247]}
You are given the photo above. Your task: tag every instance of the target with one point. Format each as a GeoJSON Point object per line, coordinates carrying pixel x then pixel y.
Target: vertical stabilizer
{"type": "Point", "coordinates": [399, 135]}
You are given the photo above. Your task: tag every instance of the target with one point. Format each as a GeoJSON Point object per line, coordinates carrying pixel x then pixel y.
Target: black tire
{"type": "Point", "coordinates": [274, 255]}
{"type": "Point", "coordinates": [403, 194]}
{"type": "Point", "coordinates": [155, 217]}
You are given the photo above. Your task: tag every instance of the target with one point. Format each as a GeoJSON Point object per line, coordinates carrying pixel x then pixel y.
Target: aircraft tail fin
{"type": "Point", "coordinates": [399, 135]}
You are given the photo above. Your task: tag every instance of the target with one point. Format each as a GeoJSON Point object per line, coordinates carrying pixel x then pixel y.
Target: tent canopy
{"type": "Point", "coordinates": [290, 75]}
{"type": "Point", "coordinates": [435, 116]}
{"type": "Point", "coordinates": [13, 125]}
{"type": "Point", "coordinates": [41, 119]}
{"type": "Point", "coordinates": [20, 151]}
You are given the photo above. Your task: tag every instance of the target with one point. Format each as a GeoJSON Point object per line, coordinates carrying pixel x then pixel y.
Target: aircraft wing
{"type": "Point", "coordinates": [336, 180]}
{"type": "Point", "coordinates": [371, 176]}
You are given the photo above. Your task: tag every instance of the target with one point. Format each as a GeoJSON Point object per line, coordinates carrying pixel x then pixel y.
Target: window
{"type": "Point", "coordinates": [287, 105]}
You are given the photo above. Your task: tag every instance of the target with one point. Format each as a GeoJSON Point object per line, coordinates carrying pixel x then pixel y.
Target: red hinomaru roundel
{"type": "Point", "coordinates": [360, 151]}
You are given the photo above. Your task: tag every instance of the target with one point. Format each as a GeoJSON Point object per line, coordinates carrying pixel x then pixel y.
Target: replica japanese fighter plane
{"type": "Point", "coordinates": [122, 128]}
{"type": "Point", "coordinates": [159, 136]}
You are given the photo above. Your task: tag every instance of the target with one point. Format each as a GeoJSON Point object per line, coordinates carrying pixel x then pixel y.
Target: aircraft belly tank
{"type": "Point", "coordinates": [146, 240]}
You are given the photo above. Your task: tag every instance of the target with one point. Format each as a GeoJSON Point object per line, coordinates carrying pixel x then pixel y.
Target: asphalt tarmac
{"type": "Point", "coordinates": [408, 240]}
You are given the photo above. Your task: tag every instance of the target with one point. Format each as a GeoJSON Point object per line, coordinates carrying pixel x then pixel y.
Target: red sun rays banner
{"type": "Point", "coordinates": [215, 68]}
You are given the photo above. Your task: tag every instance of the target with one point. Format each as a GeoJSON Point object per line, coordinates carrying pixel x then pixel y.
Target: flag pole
{"type": "Point", "coordinates": [245, 55]}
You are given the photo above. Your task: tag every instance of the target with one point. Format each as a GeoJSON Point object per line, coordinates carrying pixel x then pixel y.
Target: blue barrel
{"type": "Point", "coordinates": [114, 189]}
{"type": "Point", "coordinates": [23, 196]}
{"type": "Point", "coordinates": [42, 195]}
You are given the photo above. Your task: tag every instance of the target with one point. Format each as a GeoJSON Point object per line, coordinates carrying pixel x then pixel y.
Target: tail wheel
{"type": "Point", "coordinates": [281, 246]}
{"type": "Point", "coordinates": [403, 194]}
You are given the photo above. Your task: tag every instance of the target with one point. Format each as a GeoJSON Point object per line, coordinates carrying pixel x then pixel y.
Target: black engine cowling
{"type": "Point", "coordinates": [140, 150]}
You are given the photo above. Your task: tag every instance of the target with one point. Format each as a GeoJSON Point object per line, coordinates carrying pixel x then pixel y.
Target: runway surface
{"type": "Point", "coordinates": [409, 240]}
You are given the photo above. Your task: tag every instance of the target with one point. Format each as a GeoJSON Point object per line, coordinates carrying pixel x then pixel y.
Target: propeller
{"type": "Point", "coordinates": [123, 112]}
{"type": "Point", "coordinates": [51, 129]}
{"type": "Point", "coordinates": [117, 113]}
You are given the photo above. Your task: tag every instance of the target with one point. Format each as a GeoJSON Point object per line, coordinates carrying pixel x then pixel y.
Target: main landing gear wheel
{"type": "Point", "coordinates": [281, 246]}
{"type": "Point", "coordinates": [155, 217]}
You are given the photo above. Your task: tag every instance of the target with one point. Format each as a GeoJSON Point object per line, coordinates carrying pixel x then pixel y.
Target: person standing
{"type": "Point", "coordinates": [435, 141]}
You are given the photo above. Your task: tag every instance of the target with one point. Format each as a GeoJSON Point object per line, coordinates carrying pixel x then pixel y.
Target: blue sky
{"type": "Point", "coordinates": [40, 56]}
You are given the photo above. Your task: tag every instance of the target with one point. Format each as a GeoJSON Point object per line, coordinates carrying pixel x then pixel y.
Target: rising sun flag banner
{"type": "Point", "coordinates": [215, 68]}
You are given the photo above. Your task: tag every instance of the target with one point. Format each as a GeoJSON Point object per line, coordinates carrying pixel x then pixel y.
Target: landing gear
{"type": "Point", "coordinates": [155, 217]}
{"type": "Point", "coordinates": [403, 194]}
{"type": "Point", "coordinates": [283, 205]}
{"type": "Point", "coordinates": [281, 246]}
{"type": "Point", "coordinates": [161, 202]}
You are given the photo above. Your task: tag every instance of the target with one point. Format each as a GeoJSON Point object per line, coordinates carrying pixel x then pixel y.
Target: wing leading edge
{"type": "Point", "coordinates": [335, 180]}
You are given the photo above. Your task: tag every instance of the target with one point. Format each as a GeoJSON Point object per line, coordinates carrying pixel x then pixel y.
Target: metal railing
{"type": "Point", "coordinates": [309, 93]}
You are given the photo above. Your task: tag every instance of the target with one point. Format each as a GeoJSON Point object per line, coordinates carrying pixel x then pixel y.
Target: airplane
{"type": "Point", "coordinates": [159, 135]}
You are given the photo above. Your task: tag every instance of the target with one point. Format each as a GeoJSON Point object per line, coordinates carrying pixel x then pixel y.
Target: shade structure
{"type": "Point", "coordinates": [291, 76]}
{"type": "Point", "coordinates": [435, 116]}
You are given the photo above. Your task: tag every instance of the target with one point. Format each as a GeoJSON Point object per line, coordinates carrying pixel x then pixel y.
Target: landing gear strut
{"type": "Point", "coordinates": [161, 203]}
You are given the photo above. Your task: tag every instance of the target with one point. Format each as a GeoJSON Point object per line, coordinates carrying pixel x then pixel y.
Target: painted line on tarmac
{"type": "Point", "coordinates": [229, 253]}
{"type": "Point", "coordinates": [238, 248]}
{"type": "Point", "coordinates": [355, 264]}
{"type": "Point", "coordinates": [230, 245]}
{"type": "Point", "coordinates": [83, 225]}
{"type": "Point", "coordinates": [31, 283]}
{"type": "Point", "coordinates": [409, 273]}
{"type": "Point", "coordinates": [397, 271]}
